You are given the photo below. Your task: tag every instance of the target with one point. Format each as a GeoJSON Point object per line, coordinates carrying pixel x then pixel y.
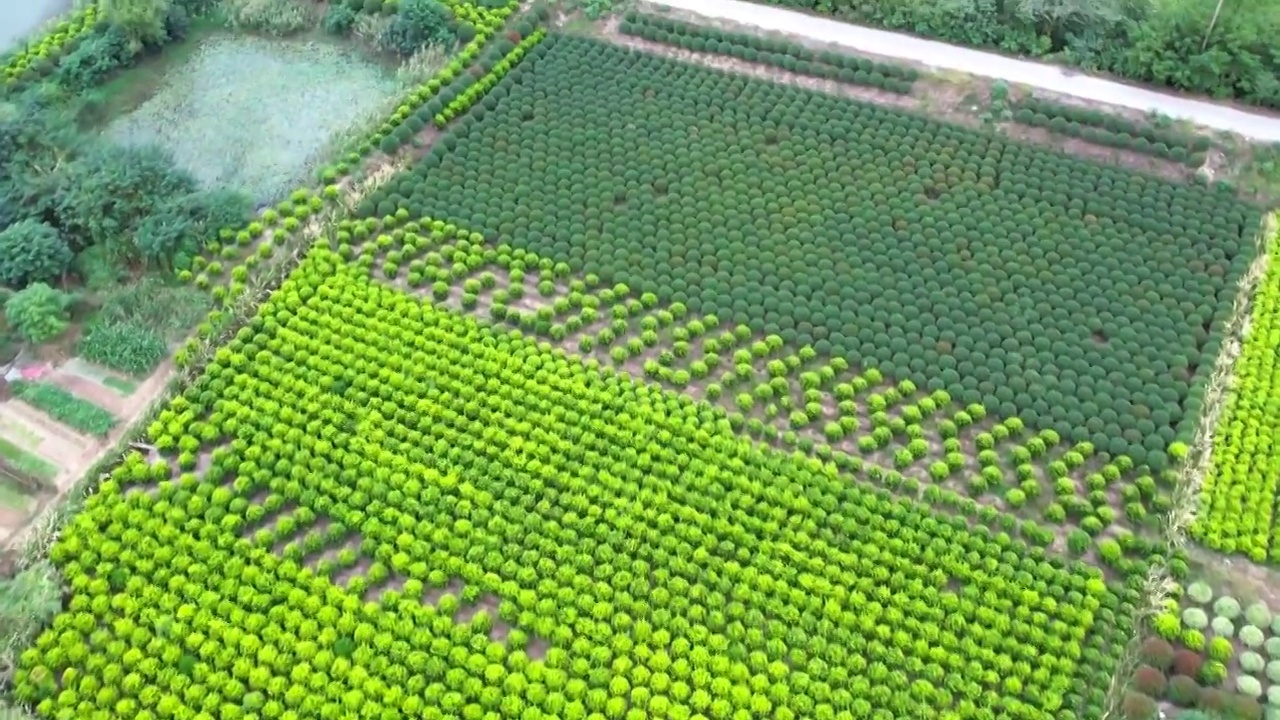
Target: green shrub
{"type": "Point", "coordinates": [1249, 686]}
{"type": "Point", "coordinates": [1223, 627]}
{"type": "Point", "coordinates": [1252, 637]}
{"type": "Point", "coordinates": [339, 19]}
{"type": "Point", "coordinates": [38, 312]}
{"type": "Point", "coordinates": [123, 345]}
{"type": "Point", "coordinates": [1258, 614]}
{"type": "Point", "coordinates": [1220, 648]}
{"type": "Point", "coordinates": [1251, 662]}
{"type": "Point", "coordinates": [1183, 691]}
{"type": "Point", "coordinates": [1195, 618]}
{"type": "Point", "coordinates": [1226, 607]}
{"type": "Point", "coordinates": [1200, 593]}
{"type": "Point", "coordinates": [32, 251]}
{"type": "Point", "coordinates": [418, 24]}
{"type": "Point", "coordinates": [1272, 646]}
{"type": "Point", "coordinates": [65, 407]}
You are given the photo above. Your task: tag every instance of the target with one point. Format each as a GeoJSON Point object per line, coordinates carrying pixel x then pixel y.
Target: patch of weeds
{"type": "Point", "coordinates": [65, 407]}
{"type": "Point", "coordinates": [125, 346]}
{"type": "Point", "coordinates": [25, 463]}
{"type": "Point", "coordinates": [253, 113]}
{"type": "Point", "coordinates": [28, 602]}
{"type": "Point", "coordinates": [170, 310]}
{"type": "Point", "coordinates": [1262, 173]}
{"type": "Point", "coordinates": [273, 17]}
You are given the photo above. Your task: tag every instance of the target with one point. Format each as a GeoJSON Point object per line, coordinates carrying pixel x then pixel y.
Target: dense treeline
{"type": "Point", "coordinates": [1165, 42]}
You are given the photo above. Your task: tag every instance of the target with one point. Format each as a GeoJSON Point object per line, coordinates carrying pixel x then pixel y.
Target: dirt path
{"type": "Point", "coordinates": [942, 56]}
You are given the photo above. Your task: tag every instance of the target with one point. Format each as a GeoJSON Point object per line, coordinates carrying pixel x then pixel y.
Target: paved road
{"type": "Point", "coordinates": [975, 62]}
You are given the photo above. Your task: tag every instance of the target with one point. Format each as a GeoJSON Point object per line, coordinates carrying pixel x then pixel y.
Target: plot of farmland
{"type": "Point", "coordinates": [674, 567]}
{"type": "Point", "coordinates": [1077, 297]}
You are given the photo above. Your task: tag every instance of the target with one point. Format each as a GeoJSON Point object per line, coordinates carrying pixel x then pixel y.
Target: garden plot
{"type": "Point", "coordinates": [256, 114]}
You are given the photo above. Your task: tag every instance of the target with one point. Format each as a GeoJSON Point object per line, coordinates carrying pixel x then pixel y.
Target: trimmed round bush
{"type": "Point", "coordinates": [1213, 673]}
{"type": "Point", "coordinates": [1194, 640]}
{"type": "Point", "coordinates": [1137, 706]}
{"type": "Point", "coordinates": [1187, 663]}
{"type": "Point", "coordinates": [1258, 614]}
{"type": "Point", "coordinates": [1251, 662]}
{"type": "Point", "coordinates": [1220, 648]}
{"type": "Point", "coordinates": [1212, 700]}
{"type": "Point", "coordinates": [1273, 671]}
{"type": "Point", "coordinates": [1273, 696]}
{"type": "Point", "coordinates": [1183, 691]}
{"type": "Point", "coordinates": [1272, 646]}
{"type": "Point", "coordinates": [1157, 653]}
{"type": "Point", "coordinates": [1200, 593]}
{"type": "Point", "coordinates": [1226, 607]}
{"type": "Point", "coordinates": [1149, 681]}
{"type": "Point", "coordinates": [1223, 627]}
{"type": "Point", "coordinates": [1249, 686]}
{"type": "Point", "coordinates": [1195, 618]}
{"type": "Point", "coordinates": [1252, 637]}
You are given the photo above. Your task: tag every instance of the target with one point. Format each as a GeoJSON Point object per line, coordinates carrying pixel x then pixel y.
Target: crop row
{"type": "Point", "coordinates": [38, 57]}
{"type": "Point", "coordinates": [1082, 299]}
{"type": "Point", "coordinates": [1239, 494]}
{"type": "Point", "coordinates": [784, 54]}
{"type": "Point", "coordinates": [917, 443]}
{"type": "Point", "coordinates": [674, 567]}
{"type": "Point", "coordinates": [475, 92]}
{"type": "Point", "coordinates": [1111, 129]}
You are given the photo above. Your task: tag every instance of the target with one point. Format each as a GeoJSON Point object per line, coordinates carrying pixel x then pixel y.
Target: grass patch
{"type": "Point", "coordinates": [256, 114]}
{"type": "Point", "coordinates": [68, 409]}
{"type": "Point", "coordinates": [120, 385]}
{"type": "Point", "coordinates": [26, 463]}
{"type": "Point", "coordinates": [127, 347]}
{"type": "Point", "coordinates": [170, 310]}
{"type": "Point", "coordinates": [12, 494]}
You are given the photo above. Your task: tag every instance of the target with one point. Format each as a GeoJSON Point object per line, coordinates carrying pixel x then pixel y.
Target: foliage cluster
{"type": "Point", "coordinates": [272, 17]}
{"type": "Point", "coordinates": [418, 24]}
{"type": "Point", "coordinates": [40, 56]}
{"type": "Point", "coordinates": [38, 312]}
{"type": "Point", "coordinates": [28, 602]}
{"type": "Point", "coordinates": [1238, 497]}
{"type": "Point", "coordinates": [1224, 50]}
{"type": "Point", "coordinates": [65, 407]}
{"type": "Point", "coordinates": [674, 567]}
{"type": "Point", "coordinates": [1112, 130]}
{"type": "Point", "coordinates": [1079, 298]}
{"type": "Point", "coordinates": [785, 54]}
{"type": "Point", "coordinates": [130, 203]}
{"type": "Point", "coordinates": [32, 251]}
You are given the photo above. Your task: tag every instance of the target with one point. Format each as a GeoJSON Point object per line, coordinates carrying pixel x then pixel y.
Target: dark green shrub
{"type": "Point", "coordinates": [32, 251]}
{"type": "Point", "coordinates": [418, 24]}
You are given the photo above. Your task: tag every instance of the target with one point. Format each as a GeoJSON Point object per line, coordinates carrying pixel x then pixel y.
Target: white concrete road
{"type": "Point", "coordinates": [975, 62]}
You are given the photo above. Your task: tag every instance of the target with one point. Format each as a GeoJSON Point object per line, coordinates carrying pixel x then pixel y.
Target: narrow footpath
{"type": "Point", "coordinates": [942, 56]}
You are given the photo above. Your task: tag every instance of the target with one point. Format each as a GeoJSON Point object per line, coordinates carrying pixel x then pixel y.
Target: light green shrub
{"type": "Point", "coordinates": [1258, 614]}
{"type": "Point", "coordinates": [1226, 607]}
{"type": "Point", "coordinates": [1223, 627]}
{"type": "Point", "coordinates": [1195, 618]}
{"type": "Point", "coordinates": [1249, 686]}
{"type": "Point", "coordinates": [1252, 637]}
{"type": "Point", "coordinates": [1251, 662]}
{"type": "Point", "coordinates": [1272, 646]}
{"type": "Point", "coordinates": [1200, 593]}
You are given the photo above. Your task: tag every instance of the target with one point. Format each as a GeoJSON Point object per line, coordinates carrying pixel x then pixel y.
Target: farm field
{"type": "Point", "coordinates": [593, 383]}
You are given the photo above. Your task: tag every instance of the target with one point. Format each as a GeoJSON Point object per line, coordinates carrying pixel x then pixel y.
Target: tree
{"type": "Point", "coordinates": [31, 251]}
{"type": "Point", "coordinates": [417, 24]}
{"type": "Point", "coordinates": [143, 21]}
{"type": "Point", "coordinates": [38, 312]}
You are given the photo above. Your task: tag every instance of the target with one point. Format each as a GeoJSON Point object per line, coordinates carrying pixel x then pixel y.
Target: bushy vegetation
{"type": "Point", "coordinates": [273, 17]}
{"type": "Point", "coordinates": [1226, 51]}
{"type": "Point", "coordinates": [706, 574]}
{"type": "Point", "coordinates": [271, 89]}
{"type": "Point", "coordinates": [32, 251]}
{"type": "Point", "coordinates": [418, 24]}
{"type": "Point", "coordinates": [137, 323]}
{"type": "Point", "coordinates": [1113, 130]}
{"type": "Point", "coordinates": [1238, 496]}
{"type": "Point", "coordinates": [38, 313]}
{"type": "Point", "coordinates": [65, 407]}
{"type": "Point", "coordinates": [1085, 299]}
{"type": "Point", "coordinates": [785, 54]}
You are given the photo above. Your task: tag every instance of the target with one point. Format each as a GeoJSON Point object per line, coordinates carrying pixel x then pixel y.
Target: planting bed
{"type": "Point", "coordinates": [656, 391]}
{"type": "Point", "coordinates": [1079, 298]}
{"type": "Point", "coordinates": [673, 567]}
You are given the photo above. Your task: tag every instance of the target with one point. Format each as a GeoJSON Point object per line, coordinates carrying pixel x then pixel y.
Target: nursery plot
{"type": "Point", "coordinates": [256, 114]}
{"type": "Point", "coordinates": [673, 567]}
{"type": "Point", "coordinates": [1081, 298]}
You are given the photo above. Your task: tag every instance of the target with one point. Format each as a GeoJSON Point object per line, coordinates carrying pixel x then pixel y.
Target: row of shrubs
{"type": "Point", "coordinates": [785, 54]}
{"type": "Point", "coordinates": [1110, 130]}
